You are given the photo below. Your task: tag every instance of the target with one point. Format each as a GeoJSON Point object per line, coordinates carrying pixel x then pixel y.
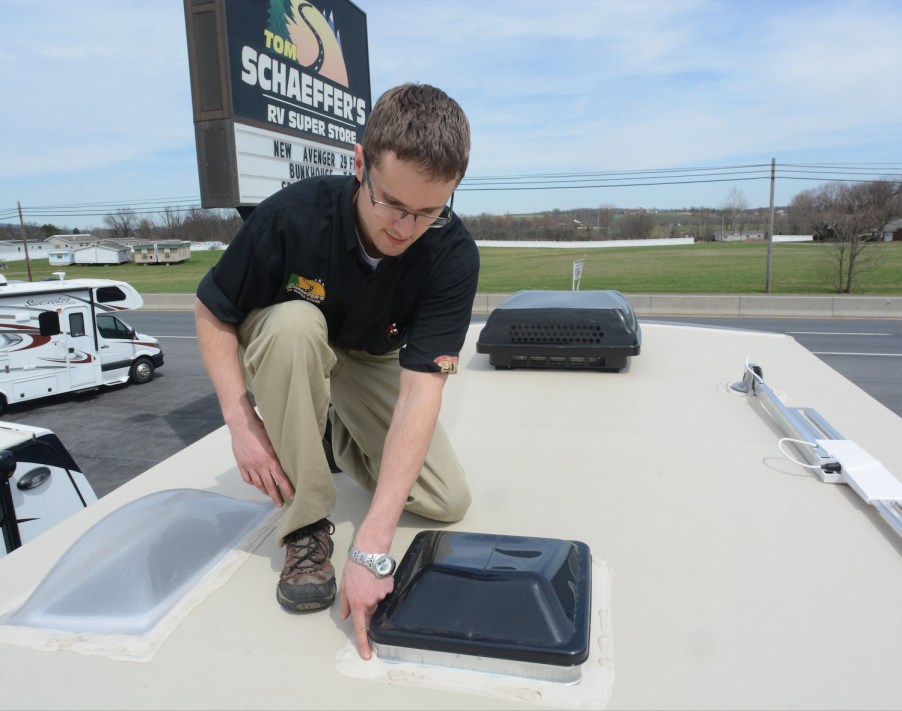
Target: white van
{"type": "Point", "coordinates": [40, 484]}
{"type": "Point", "coordinates": [65, 336]}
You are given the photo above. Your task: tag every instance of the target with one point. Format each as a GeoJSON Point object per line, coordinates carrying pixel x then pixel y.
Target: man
{"type": "Point", "coordinates": [344, 302]}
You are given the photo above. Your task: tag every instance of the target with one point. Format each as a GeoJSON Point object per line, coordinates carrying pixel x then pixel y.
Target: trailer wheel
{"type": "Point", "coordinates": [142, 370]}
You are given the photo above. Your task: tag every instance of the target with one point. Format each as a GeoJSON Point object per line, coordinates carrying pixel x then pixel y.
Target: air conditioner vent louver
{"type": "Point", "coordinates": [565, 333]}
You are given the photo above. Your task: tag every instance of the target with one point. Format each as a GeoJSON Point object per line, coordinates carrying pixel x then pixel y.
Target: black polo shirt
{"type": "Point", "coordinates": [301, 243]}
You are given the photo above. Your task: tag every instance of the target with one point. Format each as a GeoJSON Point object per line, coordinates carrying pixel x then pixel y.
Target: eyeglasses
{"type": "Point", "coordinates": [390, 212]}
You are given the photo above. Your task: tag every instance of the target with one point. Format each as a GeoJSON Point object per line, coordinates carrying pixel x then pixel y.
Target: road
{"type": "Point", "coordinates": [117, 433]}
{"type": "Point", "coordinates": [866, 351]}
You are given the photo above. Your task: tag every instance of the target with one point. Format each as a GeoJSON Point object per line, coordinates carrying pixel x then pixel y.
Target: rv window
{"type": "Point", "coordinates": [112, 327]}
{"type": "Point", "coordinates": [106, 294]}
{"type": "Point", "coordinates": [49, 322]}
{"type": "Point", "coordinates": [76, 325]}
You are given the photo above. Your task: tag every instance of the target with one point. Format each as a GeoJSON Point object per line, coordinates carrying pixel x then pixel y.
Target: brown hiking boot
{"type": "Point", "coordinates": [307, 581]}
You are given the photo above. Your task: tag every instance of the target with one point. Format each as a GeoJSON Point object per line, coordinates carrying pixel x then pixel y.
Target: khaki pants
{"type": "Point", "coordinates": [295, 374]}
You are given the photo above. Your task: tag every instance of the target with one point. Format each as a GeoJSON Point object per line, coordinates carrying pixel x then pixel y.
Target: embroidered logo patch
{"type": "Point", "coordinates": [447, 364]}
{"type": "Point", "coordinates": [312, 290]}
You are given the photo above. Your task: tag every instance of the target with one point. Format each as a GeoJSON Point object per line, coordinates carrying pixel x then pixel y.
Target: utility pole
{"type": "Point", "coordinates": [24, 240]}
{"type": "Point", "coordinates": [770, 228]}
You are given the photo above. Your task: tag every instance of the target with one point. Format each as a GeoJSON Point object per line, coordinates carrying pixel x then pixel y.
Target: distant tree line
{"type": "Point", "coordinates": [849, 215]}
{"type": "Point", "coordinates": [853, 214]}
{"type": "Point", "coordinates": [607, 222]}
{"type": "Point", "coordinates": [193, 225]}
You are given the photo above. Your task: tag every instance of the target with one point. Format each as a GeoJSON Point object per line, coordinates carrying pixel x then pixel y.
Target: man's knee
{"type": "Point", "coordinates": [289, 329]}
{"type": "Point", "coordinates": [292, 320]}
{"type": "Point", "coordinates": [456, 506]}
{"type": "Point", "coordinates": [451, 507]}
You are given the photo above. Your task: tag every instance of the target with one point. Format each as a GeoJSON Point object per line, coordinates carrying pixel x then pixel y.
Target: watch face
{"type": "Point", "coordinates": [384, 565]}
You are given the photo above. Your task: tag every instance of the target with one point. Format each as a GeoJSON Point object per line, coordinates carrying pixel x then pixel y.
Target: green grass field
{"type": "Point", "coordinates": [704, 268]}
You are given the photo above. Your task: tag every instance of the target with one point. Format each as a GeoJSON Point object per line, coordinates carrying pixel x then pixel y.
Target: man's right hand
{"type": "Point", "coordinates": [254, 454]}
{"type": "Point", "coordinates": [257, 461]}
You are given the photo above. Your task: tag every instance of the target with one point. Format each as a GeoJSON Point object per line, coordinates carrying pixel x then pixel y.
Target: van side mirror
{"type": "Point", "coordinates": [12, 539]}
{"type": "Point", "coordinates": [49, 322]}
{"type": "Point", "coordinates": [7, 464]}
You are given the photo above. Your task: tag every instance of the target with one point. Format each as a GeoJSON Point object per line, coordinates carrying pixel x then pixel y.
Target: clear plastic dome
{"type": "Point", "coordinates": [132, 567]}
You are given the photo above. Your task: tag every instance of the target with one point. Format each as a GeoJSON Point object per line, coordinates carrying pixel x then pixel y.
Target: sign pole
{"type": "Point", "coordinates": [577, 274]}
{"type": "Point", "coordinates": [24, 240]}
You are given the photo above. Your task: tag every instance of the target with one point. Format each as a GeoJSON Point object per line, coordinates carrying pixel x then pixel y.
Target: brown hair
{"type": "Point", "coordinates": [420, 124]}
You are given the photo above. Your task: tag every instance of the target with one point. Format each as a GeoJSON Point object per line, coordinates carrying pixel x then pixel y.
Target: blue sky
{"type": "Point", "coordinates": [97, 104]}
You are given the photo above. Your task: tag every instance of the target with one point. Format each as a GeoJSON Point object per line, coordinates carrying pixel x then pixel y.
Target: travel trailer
{"type": "Point", "coordinates": [64, 336]}
{"type": "Point", "coordinates": [40, 484]}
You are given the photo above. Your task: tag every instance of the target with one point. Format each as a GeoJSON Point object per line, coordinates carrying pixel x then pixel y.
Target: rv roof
{"type": "Point", "coordinates": [114, 299]}
{"type": "Point", "coordinates": [729, 576]}
{"type": "Point", "coordinates": [60, 284]}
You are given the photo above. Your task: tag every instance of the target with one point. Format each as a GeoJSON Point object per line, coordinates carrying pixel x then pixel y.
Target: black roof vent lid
{"type": "Point", "coordinates": [511, 605]}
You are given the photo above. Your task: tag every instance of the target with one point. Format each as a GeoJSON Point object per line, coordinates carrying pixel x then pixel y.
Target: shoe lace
{"type": "Point", "coordinates": [309, 545]}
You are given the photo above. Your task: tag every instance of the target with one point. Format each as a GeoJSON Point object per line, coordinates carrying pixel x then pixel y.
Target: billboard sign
{"type": "Point", "coordinates": [280, 92]}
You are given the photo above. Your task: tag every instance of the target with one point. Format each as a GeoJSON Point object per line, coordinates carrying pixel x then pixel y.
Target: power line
{"type": "Point", "coordinates": [815, 172]}
{"type": "Point", "coordinates": [719, 170]}
{"type": "Point", "coordinates": [101, 210]}
{"type": "Point", "coordinates": [681, 176]}
{"type": "Point", "coordinates": [572, 186]}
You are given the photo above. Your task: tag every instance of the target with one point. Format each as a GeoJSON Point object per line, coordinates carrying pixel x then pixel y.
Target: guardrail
{"type": "Point", "coordinates": [729, 305]}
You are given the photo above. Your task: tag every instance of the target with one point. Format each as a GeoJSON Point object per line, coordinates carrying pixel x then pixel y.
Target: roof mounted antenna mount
{"type": "Point", "coordinates": [835, 459]}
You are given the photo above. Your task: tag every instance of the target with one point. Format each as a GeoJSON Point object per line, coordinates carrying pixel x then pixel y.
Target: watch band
{"type": "Point", "coordinates": [380, 564]}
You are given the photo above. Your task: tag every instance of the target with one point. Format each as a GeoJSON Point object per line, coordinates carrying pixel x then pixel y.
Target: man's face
{"type": "Point", "coordinates": [403, 186]}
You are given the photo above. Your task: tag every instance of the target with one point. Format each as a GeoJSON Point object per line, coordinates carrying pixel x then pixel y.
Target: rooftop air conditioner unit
{"type": "Point", "coordinates": [571, 330]}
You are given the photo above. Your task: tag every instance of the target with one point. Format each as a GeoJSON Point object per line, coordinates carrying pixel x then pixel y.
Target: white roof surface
{"type": "Point", "coordinates": [14, 434]}
{"type": "Point", "coordinates": [726, 576]}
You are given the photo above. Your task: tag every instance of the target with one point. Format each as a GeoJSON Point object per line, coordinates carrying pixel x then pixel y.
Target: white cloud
{"type": "Point", "coordinates": [98, 97]}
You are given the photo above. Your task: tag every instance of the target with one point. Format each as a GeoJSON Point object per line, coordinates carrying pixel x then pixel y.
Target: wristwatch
{"type": "Point", "coordinates": [382, 564]}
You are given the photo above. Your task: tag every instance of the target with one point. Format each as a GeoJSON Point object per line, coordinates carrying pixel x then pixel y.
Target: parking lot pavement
{"type": "Point", "coordinates": [116, 433]}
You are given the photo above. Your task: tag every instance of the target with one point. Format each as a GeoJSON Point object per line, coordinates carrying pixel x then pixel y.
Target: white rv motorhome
{"type": "Point", "coordinates": [62, 336]}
